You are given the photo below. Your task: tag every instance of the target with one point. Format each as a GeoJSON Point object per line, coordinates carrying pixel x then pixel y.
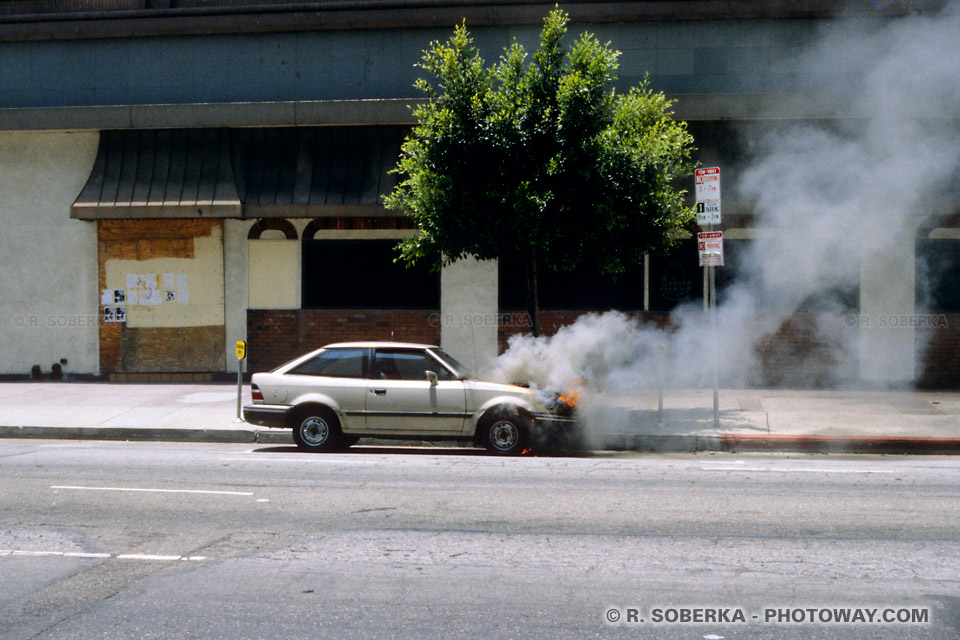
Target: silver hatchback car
{"type": "Point", "coordinates": [335, 395]}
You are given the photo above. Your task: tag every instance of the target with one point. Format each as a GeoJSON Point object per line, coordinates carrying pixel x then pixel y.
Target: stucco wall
{"type": "Point", "coordinates": [887, 290]}
{"type": "Point", "coordinates": [48, 280]}
{"type": "Point", "coordinates": [469, 312]}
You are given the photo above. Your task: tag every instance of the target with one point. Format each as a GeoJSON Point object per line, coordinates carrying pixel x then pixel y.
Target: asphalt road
{"type": "Point", "coordinates": [154, 540]}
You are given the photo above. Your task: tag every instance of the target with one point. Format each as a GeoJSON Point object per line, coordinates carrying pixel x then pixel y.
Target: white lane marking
{"type": "Point", "coordinates": [143, 556]}
{"type": "Point", "coordinates": [796, 470]}
{"type": "Point", "coordinates": [136, 490]}
{"type": "Point", "coordinates": [100, 556]}
{"type": "Point", "coordinates": [722, 462]}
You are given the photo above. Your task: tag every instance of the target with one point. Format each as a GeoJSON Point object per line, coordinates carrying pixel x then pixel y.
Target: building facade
{"type": "Point", "coordinates": [179, 175]}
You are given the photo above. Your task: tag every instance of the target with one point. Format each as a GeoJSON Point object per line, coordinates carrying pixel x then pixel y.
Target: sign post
{"type": "Point", "coordinates": [241, 354]}
{"type": "Point", "coordinates": [710, 249]}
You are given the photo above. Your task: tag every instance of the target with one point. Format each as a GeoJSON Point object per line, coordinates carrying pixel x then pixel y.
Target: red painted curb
{"type": "Point", "coordinates": [838, 444]}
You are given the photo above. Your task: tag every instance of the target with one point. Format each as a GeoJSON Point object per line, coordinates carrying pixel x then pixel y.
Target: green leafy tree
{"type": "Point", "coordinates": [540, 160]}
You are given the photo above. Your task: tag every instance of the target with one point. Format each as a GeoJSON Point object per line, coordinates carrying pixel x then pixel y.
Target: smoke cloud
{"type": "Point", "coordinates": [837, 200]}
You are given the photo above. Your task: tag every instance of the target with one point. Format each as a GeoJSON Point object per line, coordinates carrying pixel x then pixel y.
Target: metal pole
{"type": "Point", "coordinates": [713, 350]}
{"type": "Point", "coordinates": [239, 389]}
{"type": "Point", "coordinates": [661, 371]}
{"type": "Point", "coordinates": [660, 401]}
{"type": "Point", "coordinates": [713, 340]}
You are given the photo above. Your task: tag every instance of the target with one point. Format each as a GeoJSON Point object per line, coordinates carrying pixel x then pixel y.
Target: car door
{"type": "Point", "coordinates": [400, 398]}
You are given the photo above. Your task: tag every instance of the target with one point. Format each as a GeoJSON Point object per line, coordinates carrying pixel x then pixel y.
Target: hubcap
{"type": "Point", "coordinates": [504, 435]}
{"type": "Point", "coordinates": [314, 431]}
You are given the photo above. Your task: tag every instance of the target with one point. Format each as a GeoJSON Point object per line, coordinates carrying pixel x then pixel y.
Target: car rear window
{"type": "Point", "coordinates": [334, 363]}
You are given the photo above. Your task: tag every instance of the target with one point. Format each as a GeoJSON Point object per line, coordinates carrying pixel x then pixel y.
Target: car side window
{"type": "Point", "coordinates": [406, 365]}
{"type": "Point", "coordinates": [334, 363]}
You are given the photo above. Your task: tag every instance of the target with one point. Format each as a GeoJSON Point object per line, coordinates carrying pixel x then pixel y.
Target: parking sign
{"type": "Point", "coordinates": [710, 248]}
{"type": "Point", "coordinates": [707, 190]}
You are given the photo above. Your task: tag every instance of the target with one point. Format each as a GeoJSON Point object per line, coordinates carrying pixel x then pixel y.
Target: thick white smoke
{"type": "Point", "coordinates": [829, 196]}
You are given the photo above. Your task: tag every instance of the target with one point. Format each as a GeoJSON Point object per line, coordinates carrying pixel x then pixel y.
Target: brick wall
{"type": "Point", "coordinates": [798, 355]}
{"type": "Point", "coordinates": [275, 336]}
{"type": "Point", "coordinates": [938, 354]}
{"type": "Point", "coordinates": [807, 353]}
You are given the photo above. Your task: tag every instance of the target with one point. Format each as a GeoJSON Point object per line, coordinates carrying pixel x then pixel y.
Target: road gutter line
{"type": "Point", "coordinates": [795, 470]}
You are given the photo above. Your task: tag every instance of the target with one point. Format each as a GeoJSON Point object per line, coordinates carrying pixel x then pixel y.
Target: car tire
{"type": "Point", "coordinates": [504, 435]}
{"type": "Point", "coordinates": [316, 429]}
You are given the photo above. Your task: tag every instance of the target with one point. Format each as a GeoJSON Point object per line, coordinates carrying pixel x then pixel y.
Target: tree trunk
{"type": "Point", "coordinates": [533, 299]}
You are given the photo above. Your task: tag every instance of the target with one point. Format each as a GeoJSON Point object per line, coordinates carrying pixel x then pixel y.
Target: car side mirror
{"type": "Point", "coordinates": [431, 377]}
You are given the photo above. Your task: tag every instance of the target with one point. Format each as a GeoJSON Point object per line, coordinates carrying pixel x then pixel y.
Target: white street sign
{"type": "Point", "coordinates": [707, 190]}
{"type": "Point", "coordinates": [707, 183]}
{"type": "Point", "coordinates": [710, 248]}
{"type": "Point", "coordinates": [708, 213]}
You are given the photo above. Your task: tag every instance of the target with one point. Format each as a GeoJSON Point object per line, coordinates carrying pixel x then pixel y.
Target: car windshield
{"type": "Point", "coordinates": [462, 371]}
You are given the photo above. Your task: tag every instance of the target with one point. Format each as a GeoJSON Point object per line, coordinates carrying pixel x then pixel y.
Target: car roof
{"type": "Point", "coordinates": [380, 345]}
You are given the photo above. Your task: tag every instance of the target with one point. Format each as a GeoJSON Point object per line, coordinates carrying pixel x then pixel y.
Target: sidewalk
{"type": "Point", "coordinates": [750, 419]}
{"type": "Point", "coordinates": [788, 420]}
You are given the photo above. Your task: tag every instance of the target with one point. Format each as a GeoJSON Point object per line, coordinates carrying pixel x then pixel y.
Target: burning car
{"type": "Point", "coordinates": [339, 393]}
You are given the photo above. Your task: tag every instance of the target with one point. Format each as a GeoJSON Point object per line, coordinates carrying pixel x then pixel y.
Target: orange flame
{"type": "Point", "coordinates": [571, 396]}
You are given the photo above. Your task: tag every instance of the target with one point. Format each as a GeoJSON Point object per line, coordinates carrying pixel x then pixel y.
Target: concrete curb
{"type": "Point", "coordinates": [140, 434]}
{"type": "Point", "coordinates": [668, 444]}
{"type": "Point", "coordinates": [727, 442]}
{"type": "Point", "coordinates": [839, 444]}
{"type": "Point", "coordinates": [737, 443]}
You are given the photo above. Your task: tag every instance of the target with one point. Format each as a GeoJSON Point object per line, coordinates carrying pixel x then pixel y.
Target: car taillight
{"type": "Point", "coordinates": [255, 392]}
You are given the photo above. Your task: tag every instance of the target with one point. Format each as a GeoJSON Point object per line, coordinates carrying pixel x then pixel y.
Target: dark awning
{"type": "Point", "coordinates": [316, 171]}
{"type": "Point", "coordinates": [180, 173]}
{"type": "Point", "coordinates": [289, 172]}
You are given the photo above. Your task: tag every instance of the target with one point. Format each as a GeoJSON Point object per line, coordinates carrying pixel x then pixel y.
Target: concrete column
{"type": "Point", "coordinates": [887, 304]}
{"type": "Point", "coordinates": [469, 309]}
{"type": "Point", "coordinates": [235, 286]}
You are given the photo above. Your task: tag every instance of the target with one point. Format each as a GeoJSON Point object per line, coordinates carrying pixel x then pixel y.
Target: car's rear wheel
{"type": "Point", "coordinates": [316, 429]}
{"type": "Point", "coordinates": [504, 436]}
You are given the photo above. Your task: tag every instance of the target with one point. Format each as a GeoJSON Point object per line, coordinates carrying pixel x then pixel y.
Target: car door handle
{"type": "Point", "coordinates": [379, 392]}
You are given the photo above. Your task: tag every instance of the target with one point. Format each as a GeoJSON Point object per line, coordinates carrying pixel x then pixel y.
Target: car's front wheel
{"type": "Point", "coordinates": [316, 429]}
{"type": "Point", "coordinates": [504, 436]}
